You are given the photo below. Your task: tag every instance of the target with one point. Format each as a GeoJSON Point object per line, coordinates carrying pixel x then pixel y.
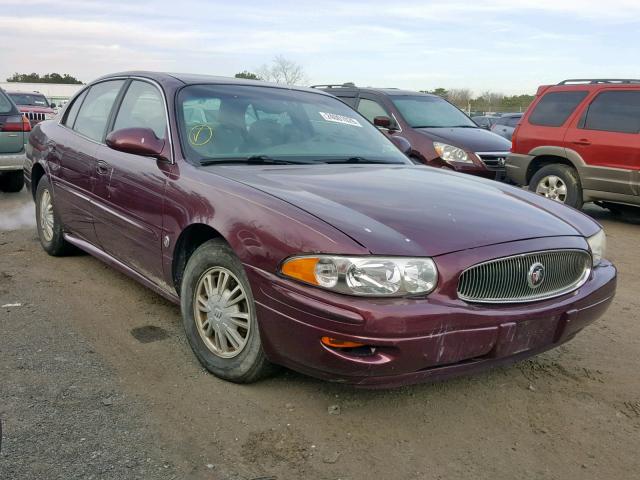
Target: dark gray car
{"type": "Point", "coordinates": [506, 124]}
{"type": "Point", "coordinates": [14, 133]}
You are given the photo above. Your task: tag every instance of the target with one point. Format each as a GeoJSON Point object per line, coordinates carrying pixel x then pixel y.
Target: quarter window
{"type": "Point", "coordinates": [351, 101]}
{"type": "Point", "coordinates": [614, 112]}
{"type": "Point", "coordinates": [142, 107]}
{"type": "Point", "coordinates": [72, 112]}
{"type": "Point", "coordinates": [554, 108]}
{"type": "Point", "coordinates": [370, 109]}
{"type": "Point", "coordinates": [95, 110]}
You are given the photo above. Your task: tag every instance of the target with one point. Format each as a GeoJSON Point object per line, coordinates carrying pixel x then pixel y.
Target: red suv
{"type": "Point", "coordinates": [579, 141]}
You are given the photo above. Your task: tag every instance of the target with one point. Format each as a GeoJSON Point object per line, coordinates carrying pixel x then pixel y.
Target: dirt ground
{"type": "Point", "coordinates": [97, 382]}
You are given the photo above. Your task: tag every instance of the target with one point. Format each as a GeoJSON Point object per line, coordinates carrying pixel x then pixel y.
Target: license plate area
{"type": "Point", "coordinates": [514, 338]}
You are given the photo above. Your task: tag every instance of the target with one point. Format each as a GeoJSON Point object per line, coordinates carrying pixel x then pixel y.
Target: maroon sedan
{"type": "Point", "coordinates": [292, 232]}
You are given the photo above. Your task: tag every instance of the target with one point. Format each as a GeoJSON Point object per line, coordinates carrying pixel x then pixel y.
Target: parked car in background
{"type": "Point", "coordinates": [580, 142]}
{"type": "Point", "coordinates": [506, 124]}
{"type": "Point", "coordinates": [291, 231]}
{"type": "Point", "coordinates": [14, 133]}
{"type": "Point", "coordinates": [440, 134]}
{"type": "Point", "coordinates": [485, 121]}
{"type": "Point", "coordinates": [34, 105]}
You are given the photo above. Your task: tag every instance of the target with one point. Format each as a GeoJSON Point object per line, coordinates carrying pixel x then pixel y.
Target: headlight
{"type": "Point", "coordinates": [597, 244]}
{"type": "Point", "coordinates": [449, 153]}
{"type": "Point", "coordinates": [365, 276]}
{"type": "Point", "coordinates": [49, 116]}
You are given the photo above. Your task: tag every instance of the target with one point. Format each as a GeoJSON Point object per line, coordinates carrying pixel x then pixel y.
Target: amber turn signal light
{"type": "Point", "coordinates": [302, 268]}
{"type": "Point", "coordinates": [335, 343]}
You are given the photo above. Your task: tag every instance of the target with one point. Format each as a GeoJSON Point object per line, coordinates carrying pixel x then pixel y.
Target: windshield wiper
{"type": "Point", "coordinates": [251, 160]}
{"type": "Point", "coordinates": [361, 160]}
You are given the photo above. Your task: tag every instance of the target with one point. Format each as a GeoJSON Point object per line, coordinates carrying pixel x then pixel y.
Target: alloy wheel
{"type": "Point", "coordinates": [553, 188]}
{"type": "Point", "coordinates": [222, 312]}
{"type": "Point", "coordinates": [46, 216]}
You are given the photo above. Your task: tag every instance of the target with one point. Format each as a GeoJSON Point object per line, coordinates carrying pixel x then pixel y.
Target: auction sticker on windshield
{"type": "Point", "coordinates": [332, 117]}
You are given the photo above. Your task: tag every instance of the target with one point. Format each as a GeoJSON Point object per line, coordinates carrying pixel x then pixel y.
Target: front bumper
{"type": "Point", "coordinates": [415, 340]}
{"type": "Point", "coordinates": [12, 161]}
{"type": "Point", "coordinates": [517, 166]}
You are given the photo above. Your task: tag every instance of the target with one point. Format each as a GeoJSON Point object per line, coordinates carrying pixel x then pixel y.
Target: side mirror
{"type": "Point", "coordinates": [384, 122]}
{"type": "Point", "coordinates": [52, 105]}
{"type": "Point", "coordinates": [402, 143]}
{"type": "Point", "coordinates": [137, 141]}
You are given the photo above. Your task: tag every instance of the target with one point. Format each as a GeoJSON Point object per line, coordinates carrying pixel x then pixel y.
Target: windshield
{"type": "Point", "coordinates": [426, 111]}
{"type": "Point", "coordinates": [231, 122]}
{"type": "Point", "coordinates": [30, 99]}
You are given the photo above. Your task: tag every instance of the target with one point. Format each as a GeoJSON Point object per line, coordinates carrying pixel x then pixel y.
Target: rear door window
{"type": "Point", "coordinates": [614, 112]}
{"type": "Point", "coordinates": [554, 108]}
{"type": "Point", "coordinates": [95, 110]}
{"type": "Point", "coordinates": [142, 107]}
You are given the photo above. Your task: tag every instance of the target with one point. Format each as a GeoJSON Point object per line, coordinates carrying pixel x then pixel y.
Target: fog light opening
{"type": "Point", "coordinates": [346, 346]}
{"type": "Point", "coordinates": [336, 343]}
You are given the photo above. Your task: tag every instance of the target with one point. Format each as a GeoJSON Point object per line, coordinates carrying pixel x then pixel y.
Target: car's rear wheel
{"type": "Point", "coordinates": [558, 182]}
{"type": "Point", "coordinates": [219, 316]}
{"type": "Point", "coordinates": [11, 182]}
{"type": "Point", "coordinates": [48, 222]}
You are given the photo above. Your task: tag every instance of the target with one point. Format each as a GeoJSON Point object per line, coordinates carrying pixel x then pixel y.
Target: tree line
{"type": "Point", "coordinates": [285, 71]}
{"type": "Point", "coordinates": [47, 78]}
{"type": "Point", "coordinates": [487, 101]}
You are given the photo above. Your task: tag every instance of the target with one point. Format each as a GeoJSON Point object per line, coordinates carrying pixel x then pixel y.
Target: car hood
{"type": "Point", "coordinates": [470, 139]}
{"type": "Point", "coordinates": [406, 210]}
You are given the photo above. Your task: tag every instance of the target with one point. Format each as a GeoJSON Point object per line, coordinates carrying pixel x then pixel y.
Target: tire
{"type": "Point", "coordinates": [208, 327]}
{"type": "Point", "coordinates": [12, 182]}
{"type": "Point", "coordinates": [558, 182]}
{"type": "Point", "coordinates": [51, 233]}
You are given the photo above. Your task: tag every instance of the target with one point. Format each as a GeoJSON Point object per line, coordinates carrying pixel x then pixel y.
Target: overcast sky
{"type": "Point", "coordinates": [510, 46]}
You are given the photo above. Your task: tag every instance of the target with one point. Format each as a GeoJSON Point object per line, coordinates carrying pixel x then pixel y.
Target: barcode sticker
{"type": "Point", "coordinates": [333, 117]}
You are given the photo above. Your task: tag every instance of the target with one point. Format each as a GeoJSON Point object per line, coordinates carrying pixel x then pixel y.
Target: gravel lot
{"type": "Point", "coordinates": [99, 382]}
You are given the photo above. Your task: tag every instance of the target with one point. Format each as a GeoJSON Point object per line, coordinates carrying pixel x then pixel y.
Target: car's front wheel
{"type": "Point", "coordinates": [11, 182]}
{"type": "Point", "coordinates": [558, 182]}
{"type": "Point", "coordinates": [48, 222]}
{"type": "Point", "coordinates": [219, 316]}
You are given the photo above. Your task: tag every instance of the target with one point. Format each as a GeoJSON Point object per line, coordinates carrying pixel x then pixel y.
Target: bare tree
{"type": "Point", "coordinates": [491, 99]}
{"type": "Point", "coordinates": [459, 96]}
{"type": "Point", "coordinates": [284, 71]}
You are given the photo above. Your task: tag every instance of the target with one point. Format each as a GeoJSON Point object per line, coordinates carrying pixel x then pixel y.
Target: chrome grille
{"type": "Point", "coordinates": [493, 160]}
{"type": "Point", "coordinates": [35, 117]}
{"type": "Point", "coordinates": [508, 279]}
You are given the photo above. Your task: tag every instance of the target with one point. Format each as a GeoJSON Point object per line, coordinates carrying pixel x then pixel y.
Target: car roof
{"type": "Point", "coordinates": [589, 85]}
{"type": "Point", "coordinates": [199, 79]}
{"type": "Point", "coordinates": [337, 89]}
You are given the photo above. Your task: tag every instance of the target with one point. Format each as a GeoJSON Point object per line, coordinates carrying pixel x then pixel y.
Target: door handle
{"type": "Point", "coordinates": [582, 141]}
{"type": "Point", "coordinates": [102, 168]}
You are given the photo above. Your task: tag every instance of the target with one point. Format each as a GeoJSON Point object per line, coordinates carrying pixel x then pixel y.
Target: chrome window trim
{"type": "Point", "coordinates": [557, 293]}
{"type": "Point", "coordinates": [142, 79]}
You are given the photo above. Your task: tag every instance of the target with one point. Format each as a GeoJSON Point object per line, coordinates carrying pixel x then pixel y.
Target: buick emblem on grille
{"type": "Point", "coordinates": [535, 277]}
